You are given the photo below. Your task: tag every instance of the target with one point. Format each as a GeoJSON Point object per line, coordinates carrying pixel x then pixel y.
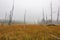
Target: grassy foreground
{"type": "Point", "coordinates": [29, 32]}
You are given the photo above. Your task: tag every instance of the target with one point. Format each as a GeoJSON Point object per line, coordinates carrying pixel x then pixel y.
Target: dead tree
{"type": "Point", "coordinates": [11, 14]}
{"type": "Point", "coordinates": [5, 18]}
{"type": "Point", "coordinates": [25, 17]}
{"type": "Point", "coordinates": [46, 18]}
{"type": "Point", "coordinates": [43, 17]}
{"type": "Point", "coordinates": [51, 15]}
{"type": "Point", "coordinates": [38, 20]}
{"type": "Point", "coordinates": [51, 11]}
{"type": "Point", "coordinates": [58, 16]}
{"type": "Point", "coordinates": [3, 21]}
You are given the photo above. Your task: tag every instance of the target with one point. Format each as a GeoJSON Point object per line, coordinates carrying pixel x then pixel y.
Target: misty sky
{"type": "Point", "coordinates": [33, 9]}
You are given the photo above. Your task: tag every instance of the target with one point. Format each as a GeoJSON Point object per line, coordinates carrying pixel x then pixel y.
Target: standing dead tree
{"type": "Point", "coordinates": [38, 20]}
{"type": "Point", "coordinates": [46, 18]}
{"type": "Point", "coordinates": [25, 17]}
{"type": "Point", "coordinates": [11, 14]}
{"type": "Point", "coordinates": [5, 18]}
{"type": "Point", "coordinates": [43, 17]}
{"type": "Point", "coordinates": [51, 11]}
{"type": "Point", "coordinates": [51, 24]}
{"type": "Point", "coordinates": [58, 16]}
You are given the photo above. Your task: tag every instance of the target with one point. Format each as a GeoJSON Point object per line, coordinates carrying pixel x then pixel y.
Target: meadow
{"type": "Point", "coordinates": [29, 32]}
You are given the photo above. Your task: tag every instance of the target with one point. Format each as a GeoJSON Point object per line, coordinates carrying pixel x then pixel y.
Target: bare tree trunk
{"type": "Point", "coordinates": [43, 17]}
{"type": "Point", "coordinates": [46, 19]}
{"type": "Point", "coordinates": [51, 11]}
{"type": "Point", "coordinates": [3, 21]}
{"type": "Point", "coordinates": [10, 19]}
{"type": "Point", "coordinates": [24, 19]}
{"type": "Point", "coordinates": [58, 16]}
{"type": "Point", "coordinates": [11, 14]}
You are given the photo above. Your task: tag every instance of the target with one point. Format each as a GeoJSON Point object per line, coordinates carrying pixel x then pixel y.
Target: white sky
{"type": "Point", "coordinates": [34, 9]}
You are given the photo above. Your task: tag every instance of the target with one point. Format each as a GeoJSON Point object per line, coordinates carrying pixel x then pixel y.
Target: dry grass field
{"type": "Point", "coordinates": [29, 32]}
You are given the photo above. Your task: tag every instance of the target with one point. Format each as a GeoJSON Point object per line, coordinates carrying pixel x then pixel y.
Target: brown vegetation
{"type": "Point", "coordinates": [29, 32]}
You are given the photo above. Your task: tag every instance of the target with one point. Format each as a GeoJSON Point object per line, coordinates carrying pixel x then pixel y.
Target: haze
{"type": "Point", "coordinates": [33, 9]}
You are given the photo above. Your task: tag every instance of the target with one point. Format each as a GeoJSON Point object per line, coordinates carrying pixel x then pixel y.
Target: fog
{"type": "Point", "coordinates": [34, 9]}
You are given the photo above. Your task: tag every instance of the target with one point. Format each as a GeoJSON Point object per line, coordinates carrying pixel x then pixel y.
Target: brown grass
{"type": "Point", "coordinates": [28, 32]}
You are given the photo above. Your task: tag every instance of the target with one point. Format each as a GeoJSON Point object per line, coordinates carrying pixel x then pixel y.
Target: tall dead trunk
{"type": "Point", "coordinates": [51, 11]}
{"type": "Point", "coordinates": [43, 17]}
{"type": "Point", "coordinates": [46, 19]}
{"type": "Point", "coordinates": [25, 17]}
{"type": "Point", "coordinates": [58, 16]}
{"type": "Point", "coordinates": [11, 14]}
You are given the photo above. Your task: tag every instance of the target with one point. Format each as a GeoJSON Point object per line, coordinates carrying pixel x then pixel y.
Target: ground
{"type": "Point", "coordinates": [29, 32]}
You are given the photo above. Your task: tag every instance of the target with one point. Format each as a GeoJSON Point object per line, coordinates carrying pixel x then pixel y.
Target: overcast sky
{"type": "Point", "coordinates": [33, 9]}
